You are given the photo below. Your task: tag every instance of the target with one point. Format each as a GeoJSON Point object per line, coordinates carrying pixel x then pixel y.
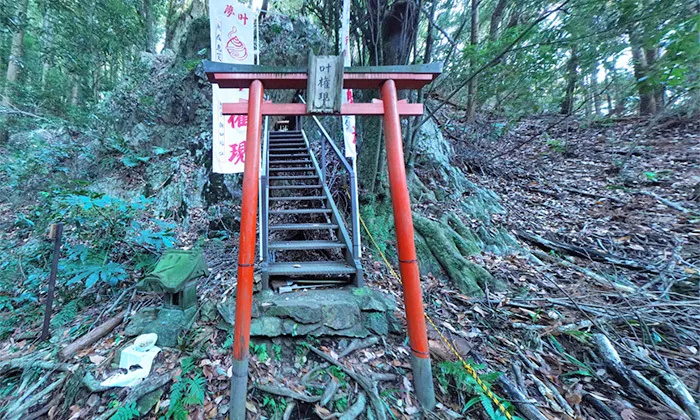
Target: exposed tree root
{"type": "Point", "coordinates": [365, 383]}
{"type": "Point", "coordinates": [356, 409]}
{"type": "Point", "coordinates": [285, 392]}
{"type": "Point", "coordinates": [451, 249]}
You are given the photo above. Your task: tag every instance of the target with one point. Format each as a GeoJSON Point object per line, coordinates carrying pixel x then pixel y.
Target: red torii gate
{"type": "Point", "coordinates": [386, 78]}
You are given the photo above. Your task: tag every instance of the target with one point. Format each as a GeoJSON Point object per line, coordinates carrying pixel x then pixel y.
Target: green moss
{"type": "Point", "coordinates": [379, 218]}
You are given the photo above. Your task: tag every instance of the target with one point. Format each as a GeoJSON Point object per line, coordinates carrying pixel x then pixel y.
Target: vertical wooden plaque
{"type": "Point", "coordinates": [325, 84]}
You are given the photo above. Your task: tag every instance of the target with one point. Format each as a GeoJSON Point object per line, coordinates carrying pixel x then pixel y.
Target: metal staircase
{"type": "Point", "coordinates": [304, 236]}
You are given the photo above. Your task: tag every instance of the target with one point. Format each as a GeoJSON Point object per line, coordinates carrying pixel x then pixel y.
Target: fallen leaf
{"type": "Point", "coordinates": [251, 407]}
{"type": "Point", "coordinates": [97, 359]}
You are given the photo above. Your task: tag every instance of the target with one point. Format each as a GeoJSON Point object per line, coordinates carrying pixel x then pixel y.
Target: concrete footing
{"type": "Point", "coordinates": [239, 389]}
{"type": "Point", "coordinates": [423, 382]}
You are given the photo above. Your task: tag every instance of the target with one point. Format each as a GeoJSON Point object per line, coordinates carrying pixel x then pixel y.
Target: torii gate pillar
{"type": "Point", "coordinates": [408, 261]}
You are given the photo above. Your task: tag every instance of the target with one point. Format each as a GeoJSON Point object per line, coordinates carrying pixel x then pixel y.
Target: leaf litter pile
{"type": "Point", "coordinates": [601, 318]}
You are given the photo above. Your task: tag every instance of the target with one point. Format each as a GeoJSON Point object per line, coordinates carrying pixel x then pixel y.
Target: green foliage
{"type": "Point", "coordinates": [126, 412]}
{"type": "Point", "coordinates": [454, 375]}
{"type": "Point", "coordinates": [228, 343]}
{"type": "Point", "coordinates": [66, 315]}
{"type": "Point", "coordinates": [273, 404]}
{"type": "Point", "coordinates": [277, 352]}
{"type": "Point", "coordinates": [341, 404]}
{"type": "Point", "coordinates": [260, 351]}
{"type": "Point", "coordinates": [188, 391]}
{"type": "Point", "coordinates": [556, 145]}
{"type": "Point", "coordinates": [651, 176]}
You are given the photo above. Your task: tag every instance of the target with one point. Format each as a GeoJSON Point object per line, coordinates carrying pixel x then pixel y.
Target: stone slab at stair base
{"type": "Point", "coordinates": [346, 312]}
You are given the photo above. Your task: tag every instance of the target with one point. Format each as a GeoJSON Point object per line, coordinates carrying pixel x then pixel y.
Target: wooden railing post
{"type": "Point", "coordinates": [408, 263]}
{"type": "Point", "coordinates": [246, 254]}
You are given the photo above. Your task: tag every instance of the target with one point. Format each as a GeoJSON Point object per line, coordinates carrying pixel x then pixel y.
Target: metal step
{"type": "Point", "coordinates": [309, 268]}
{"type": "Point", "coordinates": [301, 211]}
{"type": "Point", "coordinates": [299, 198]}
{"type": "Point", "coordinates": [291, 177]}
{"type": "Point", "coordinates": [304, 245]}
{"type": "Point", "coordinates": [303, 226]}
{"type": "Point", "coordinates": [274, 147]}
{"type": "Point", "coordinates": [289, 149]}
{"type": "Point", "coordinates": [280, 155]}
{"type": "Point", "coordinates": [294, 187]}
{"type": "Point", "coordinates": [305, 161]}
{"type": "Point", "coordinates": [285, 133]}
{"type": "Point", "coordinates": [287, 169]}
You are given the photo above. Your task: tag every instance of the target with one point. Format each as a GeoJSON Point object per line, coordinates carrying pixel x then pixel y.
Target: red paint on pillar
{"type": "Point", "coordinates": [400, 200]}
{"type": "Point", "coordinates": [249, 215]}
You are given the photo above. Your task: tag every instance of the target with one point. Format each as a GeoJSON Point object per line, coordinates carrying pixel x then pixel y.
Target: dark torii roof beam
{"type": "Point", "coordinates": [371, 77]}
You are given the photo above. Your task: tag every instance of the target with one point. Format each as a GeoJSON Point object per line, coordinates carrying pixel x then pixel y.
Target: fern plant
{"type": "Point", "coordinates": [66, 314]}
{"type": "Point", "coordinates": [126, 412]}
{"type": "Point", "coordinates": [454, 374]}
{"type": "Point", "coordinates": [188, 391]}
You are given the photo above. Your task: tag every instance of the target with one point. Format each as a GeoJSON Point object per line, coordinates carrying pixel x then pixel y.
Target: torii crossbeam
{"type": "Point", "coordinates": [385, 78]}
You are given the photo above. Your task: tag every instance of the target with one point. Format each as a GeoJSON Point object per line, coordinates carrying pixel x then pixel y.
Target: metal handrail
{"type": "Point", "coordinates": [353, 184]}
{"type": "Point", "coordinates": [264, 194]}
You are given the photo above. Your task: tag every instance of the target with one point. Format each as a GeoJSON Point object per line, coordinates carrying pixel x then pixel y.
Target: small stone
{"type": "Point", "coordinates": [146, 403]}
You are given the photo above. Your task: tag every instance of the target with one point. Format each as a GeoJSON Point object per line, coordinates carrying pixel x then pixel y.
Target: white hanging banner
{"type": "Point", "coordinates": [349, 134]}
{"type": "Point", "coordinates": [232, 41]}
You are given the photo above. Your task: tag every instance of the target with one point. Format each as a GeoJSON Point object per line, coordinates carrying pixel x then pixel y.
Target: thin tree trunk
{"type": "Point", "coordinates": [14, 64]}
{"type": "Point", "coordinates": [567, 104]}
{"type": "Point", "coordinates": [17, 49]}
{"type": "Point", "coordinates": [474, 83]}
{"type": "Point", "coordinates": [594, 90]}
{"type": "Point", "coordinates": [409, 150]}
{"type": "Point", "coordinates": [496, 19]}
{"type": "Point", "coordinates": [149, 26]}
{"type": "Point", "coordinates": [170, 24]}
{"type": "Point", "coordinates": [647, 104]}
{"type": "Point", "coordinates": [47, 38]}
{"type": "Point", "coordinates": [75, 92]}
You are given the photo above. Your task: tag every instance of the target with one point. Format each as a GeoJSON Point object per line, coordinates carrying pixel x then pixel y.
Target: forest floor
{"type": "Point", "coordinates": [601, 319]}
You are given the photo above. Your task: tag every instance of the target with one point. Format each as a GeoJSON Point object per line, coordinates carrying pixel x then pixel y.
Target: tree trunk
{"type": "Point", "coordinates": [567, 104]}
{"type": "Point", "coordinates": [473, 84]}
{"type": "Point", "coordinates": [496, 19]}
{"type": "Point", "coordinates": [647, 104]}
{"type": "Point", "coordinates": [396, 29]}
{"type": "Point", "coordinates": [13, 65]}
{"type": "Point", "coordinates": [149, 25]}
{"type": "Point", "coordinates": [47, 41]}
{"type": "Point", "coordinates": [17, 49]}
{"type": "Point", "coordinates": [75, 92]}
{"type": "Point", "coordinates": [170, 19]}
{"type": "Point", "coordinates": [409, 151]}
{"type": "Point", "coordinates": [594, 90]}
